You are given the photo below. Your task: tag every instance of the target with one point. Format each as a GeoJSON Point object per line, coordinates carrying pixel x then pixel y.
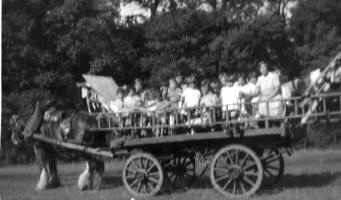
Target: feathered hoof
{"type": "Point", "coordinates": [84, 179]}
{"type": "Point", "coordinates": [43, 181]}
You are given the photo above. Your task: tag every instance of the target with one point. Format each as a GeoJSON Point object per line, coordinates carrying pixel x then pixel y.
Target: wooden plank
{"type": "Point", "coordinates": [203, 136]}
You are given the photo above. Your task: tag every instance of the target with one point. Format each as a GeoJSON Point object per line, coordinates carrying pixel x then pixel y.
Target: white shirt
{"type": "Point", "coordinates": [191, 97]}
{"type": "Point", "coordinates": [230, 97]}
{"type": "Point", "coordinates": [287, 89]}
{"type": "Point", "coordinates": [249, 88]}
{"type": "Point", "coordinates": [116, 106]}
{"type": "Point", "coordinates": [209, 100]}
{"type": "Point", "coordinates": [130, 102]}
{"type": "Point", "coordinates": [268, 84]}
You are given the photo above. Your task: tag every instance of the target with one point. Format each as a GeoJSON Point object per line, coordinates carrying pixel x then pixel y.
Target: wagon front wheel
{"type": "Point", "coordinates": [236, 171]}
{"type": "Point", "coordinates": [142, 175]}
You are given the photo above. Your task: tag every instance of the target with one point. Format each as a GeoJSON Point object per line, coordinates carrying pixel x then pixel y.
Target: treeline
{"type": "Point", "coordinates": [48, 44]}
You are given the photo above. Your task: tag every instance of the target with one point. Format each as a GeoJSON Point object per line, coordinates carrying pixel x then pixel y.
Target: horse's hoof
{"type": "Point", "coordinates": [54, 182]}
{"type": "Point", "coordinates": [41, 187]}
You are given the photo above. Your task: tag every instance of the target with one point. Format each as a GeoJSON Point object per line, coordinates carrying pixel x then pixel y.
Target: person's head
{"type": "Point", "coordinates": [229, 80]}
{"type": "Point", "coordinates": [132, 91]}
{"type": "Point", "coordinates": [179, 78]}
{"type": "Point", "coordinates": [119, 93]}
{"type": "Point", "coordinates": [253, 78]}
{"type": "Point", "coordinates": [172, 83]}
{"type": "Point", "coordinates": [263, 68]}
{"type": "Point", "coordinates": [147, 96]}
{"type": "Point", "coordinates": [241, 80]}
{"type": "Point", "coordinates": [222, 77]}
{"type": "Point", "coordinates": [138, 85]}
{"type": "Point", "coordinates": [184, 85]}
{"type": "Point", "coordinates": [205, 86]}
{"type": "Point", "coordinates": [191, 84]}
{"type": "Point", "coordinates": [215, 87]}
{"type": "Point", "coordinates": [164, 95]}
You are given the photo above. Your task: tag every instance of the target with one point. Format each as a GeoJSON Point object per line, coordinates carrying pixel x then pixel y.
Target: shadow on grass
{"type": "Point", "coordinates": [110, 182]}
{"type": "Point", "coordinates": [288, 181]}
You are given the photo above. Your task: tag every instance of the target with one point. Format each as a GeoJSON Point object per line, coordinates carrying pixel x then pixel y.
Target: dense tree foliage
{"type": "Point", "coordinates": [48, 45]}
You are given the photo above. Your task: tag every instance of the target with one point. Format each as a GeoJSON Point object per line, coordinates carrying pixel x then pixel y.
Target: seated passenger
{"type": "Point", "coordinates": [249, 88]}
{"type": "Point", "coordinates": [131, 101]}
{"type": "Point", "coordinates": [242, 86]}
{"type": "Point", "coordinates": [229, 96]}
{"type": "Point", "coordinates": [174, 94]}
{"type": "Point", "coordinates": [209, 101]}
{"type": "Point", "coordinates": [190, 98]}
{"type": "Point", "coordinates": [189, 102]}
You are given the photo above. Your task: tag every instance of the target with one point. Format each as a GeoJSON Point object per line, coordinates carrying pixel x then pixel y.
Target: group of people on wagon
{"type": "Point", "coordinates": [184, 101]}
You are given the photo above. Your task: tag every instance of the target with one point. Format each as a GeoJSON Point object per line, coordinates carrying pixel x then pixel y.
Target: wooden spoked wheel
{"type": "Point", "coordinates": [273, 164]}
{"type": "Point", "coordinates": [181, 171]}
{"type": "Point", "coordinates": [142, 175]}
{"type": "Point", "coordinates": [236, 171]}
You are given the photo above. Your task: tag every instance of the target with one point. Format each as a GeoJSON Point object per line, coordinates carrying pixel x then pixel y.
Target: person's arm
{"type": "Point", "coordinates": [253, 94]}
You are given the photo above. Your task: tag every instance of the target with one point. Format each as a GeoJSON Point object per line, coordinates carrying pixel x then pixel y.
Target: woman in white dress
{"type": "Point", "coordinates": [268, 89]}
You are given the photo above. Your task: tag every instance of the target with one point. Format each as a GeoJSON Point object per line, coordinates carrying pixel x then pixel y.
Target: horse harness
{"type": "Point", "coordinates": [62, 118]}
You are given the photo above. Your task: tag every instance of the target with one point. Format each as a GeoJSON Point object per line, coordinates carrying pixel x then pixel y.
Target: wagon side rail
{"type": "Point", "coordinates": [316, 106]}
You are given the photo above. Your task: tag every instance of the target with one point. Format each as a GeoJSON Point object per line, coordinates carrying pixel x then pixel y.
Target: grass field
{"type": "Point", "coordinates": [310, 174]}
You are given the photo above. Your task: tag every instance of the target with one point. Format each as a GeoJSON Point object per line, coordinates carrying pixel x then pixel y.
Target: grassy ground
{"type": "Point", "coordinates": [310, 174]}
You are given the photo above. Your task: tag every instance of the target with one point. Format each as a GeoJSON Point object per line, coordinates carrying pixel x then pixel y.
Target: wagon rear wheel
{"type": "Point", "coordinates": [142, 175]}
{"type": "Point", "coordinates": [273, 165]}
{"type": "Point", "coordinates": [181, 171]}
{"type": "Point", "coordinates": [236, 171]}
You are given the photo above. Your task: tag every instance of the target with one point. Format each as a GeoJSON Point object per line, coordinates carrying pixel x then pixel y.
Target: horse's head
{"type": "Point", "coordinates": [17, 124]}
{"type": "Point", "coordinates": [23, 130]}
{"type": "Point", "coordinates": [33, 123]}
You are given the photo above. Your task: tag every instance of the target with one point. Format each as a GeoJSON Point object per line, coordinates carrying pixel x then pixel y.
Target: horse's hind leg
{"type": "Point", "coordinates": [54, 180]}
{"type": "Point", "coordinates": [96, 170]}
{"type": "Point", "coordinates": [43, 166]}
{"type": "Point", "coordinates": [91, 177]}
{"type": "Point", "coordinates": [84, 178]}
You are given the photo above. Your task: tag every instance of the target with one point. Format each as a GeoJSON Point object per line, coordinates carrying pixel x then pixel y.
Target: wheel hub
{"type": "Point", "coordinates": [235, 172]}
{"type": "Point", "coordinates": [141, 176]}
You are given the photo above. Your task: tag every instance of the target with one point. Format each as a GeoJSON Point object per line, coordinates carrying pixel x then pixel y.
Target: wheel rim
{"type": "Point", "coordinates": [236, 171]}
{"type": "Point", "coordinates": [181, 171]}
{"type": "Point", "coordinates": [273, 164]}
{"type": "Point", "coordinates": [142, 175]}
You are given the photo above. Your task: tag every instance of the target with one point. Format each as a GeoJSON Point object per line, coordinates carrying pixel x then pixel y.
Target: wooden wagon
{"type": "Point", "coordinates": [240, 151]}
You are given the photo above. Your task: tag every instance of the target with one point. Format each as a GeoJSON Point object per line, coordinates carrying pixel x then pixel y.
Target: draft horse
{"type": "Point", "coordinates": [71, 128]}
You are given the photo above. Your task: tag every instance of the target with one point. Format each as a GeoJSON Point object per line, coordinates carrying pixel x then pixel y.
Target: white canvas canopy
{"type": "Point", "coordinates": [104, 86]}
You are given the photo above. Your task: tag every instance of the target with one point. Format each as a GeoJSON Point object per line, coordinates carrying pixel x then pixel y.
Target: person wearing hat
{"type": "Point", "coordinates": [229, 96]}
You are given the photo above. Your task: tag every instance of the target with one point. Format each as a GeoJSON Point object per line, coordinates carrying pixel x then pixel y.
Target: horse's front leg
{"type": "Point", "coordinates": [43, 166]}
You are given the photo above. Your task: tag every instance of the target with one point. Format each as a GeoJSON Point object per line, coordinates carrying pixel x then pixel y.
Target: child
{"type": "Point", "coordinates": [209, 101]}
{"type": "Point", "coordinates": [230, 97]}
